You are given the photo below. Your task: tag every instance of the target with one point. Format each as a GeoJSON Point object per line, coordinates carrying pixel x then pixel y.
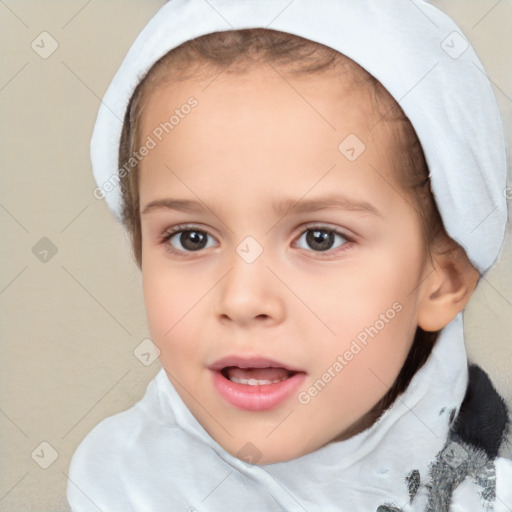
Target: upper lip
{"type": "Point", "coordinates": [250, 362]}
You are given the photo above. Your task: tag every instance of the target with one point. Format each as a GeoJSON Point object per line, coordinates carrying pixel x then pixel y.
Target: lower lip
{"type": "Point", "coordinates": [256, 398]}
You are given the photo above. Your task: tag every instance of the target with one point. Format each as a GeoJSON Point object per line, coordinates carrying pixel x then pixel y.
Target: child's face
{"type": "Point", "coordinates": [342, 318]}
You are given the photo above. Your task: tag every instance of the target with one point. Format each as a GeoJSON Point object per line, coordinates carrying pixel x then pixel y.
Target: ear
{"type": "Point", "coordinates": [448, 283]}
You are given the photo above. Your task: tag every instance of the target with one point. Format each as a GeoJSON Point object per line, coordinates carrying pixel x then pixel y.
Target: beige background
{"type": "Point", "coordinates": [70, 324]}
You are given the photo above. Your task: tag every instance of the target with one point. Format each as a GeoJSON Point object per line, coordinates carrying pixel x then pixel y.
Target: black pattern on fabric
{"type": "Point", "coordinates": [413, 483]}
{"type": "Point", "coordinates": [476, 435]}
{"type": "Point", "coordinates": [474, 441]}
{"type": "Point", "coordinates": [453, 464]}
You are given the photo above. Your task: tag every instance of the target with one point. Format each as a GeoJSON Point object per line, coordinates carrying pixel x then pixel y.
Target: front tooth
{"type": "Point", "coordinates": [255, 382]}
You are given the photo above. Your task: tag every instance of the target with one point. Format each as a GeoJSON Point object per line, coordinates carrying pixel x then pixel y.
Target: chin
{"type": "Point", "coordinates": [264, 452]}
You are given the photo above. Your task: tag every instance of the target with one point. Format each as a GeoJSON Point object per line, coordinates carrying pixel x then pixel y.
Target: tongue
{"type": "Point", "coordinates": [257, 373]}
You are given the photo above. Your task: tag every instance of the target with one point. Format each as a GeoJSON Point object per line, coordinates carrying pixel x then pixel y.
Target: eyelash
{"type": "Point", "coordinates": [168, 235]}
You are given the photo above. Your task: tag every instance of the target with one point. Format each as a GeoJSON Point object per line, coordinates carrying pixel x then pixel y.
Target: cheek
{"type": "Point", "coordinates": [373, 313]}
{"type": "Point", "coordinates": [172, 331]}
{"type": "Point", "coordinates": [377, 284]}
{"type": "Point", "coordinates": [171, 301]}
{"type": "Point", "coordinates": [355, 373]}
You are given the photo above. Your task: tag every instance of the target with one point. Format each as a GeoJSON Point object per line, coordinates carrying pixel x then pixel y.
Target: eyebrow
{"type": "Point", "coordinates": [281, 207]}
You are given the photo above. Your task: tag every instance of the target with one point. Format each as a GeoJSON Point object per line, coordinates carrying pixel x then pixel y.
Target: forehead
{"type": "Point", "coordinates": [261, 124]}
{"type": "Point", "coordinates": [324, 93]}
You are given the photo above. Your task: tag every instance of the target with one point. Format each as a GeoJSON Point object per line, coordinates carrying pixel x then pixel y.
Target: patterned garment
{"type": "Point", "coordinates": [475, 438]}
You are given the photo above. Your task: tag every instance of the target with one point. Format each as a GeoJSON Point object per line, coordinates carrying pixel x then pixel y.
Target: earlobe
{"type": "Point", "coordinates": [445, 291]}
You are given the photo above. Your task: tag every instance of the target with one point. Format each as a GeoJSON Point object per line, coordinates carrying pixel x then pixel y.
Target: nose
{"type": "Point", "coordinates": [250, 293]}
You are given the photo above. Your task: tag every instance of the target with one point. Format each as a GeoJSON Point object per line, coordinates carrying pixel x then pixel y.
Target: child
{"type": "Point", "coordinates": [340, 168]}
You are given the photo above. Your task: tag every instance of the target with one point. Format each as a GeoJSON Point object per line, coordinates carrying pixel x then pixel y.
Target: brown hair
{"type": "Point", "coordinates": [235, 51]}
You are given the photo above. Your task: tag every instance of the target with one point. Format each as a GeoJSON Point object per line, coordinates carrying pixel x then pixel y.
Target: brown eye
{"type": "Point", "coordinates": [193, 240]}
{"type": "Point", "coordinates": [186, 240]}
{"type": "Point", "coordinates": [321, 239]}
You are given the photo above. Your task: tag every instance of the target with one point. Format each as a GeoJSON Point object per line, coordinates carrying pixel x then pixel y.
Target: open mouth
{"type": "Point", "coordinates": [256, 376]}
{"type": "Point", "coordinates": [255, 384]}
